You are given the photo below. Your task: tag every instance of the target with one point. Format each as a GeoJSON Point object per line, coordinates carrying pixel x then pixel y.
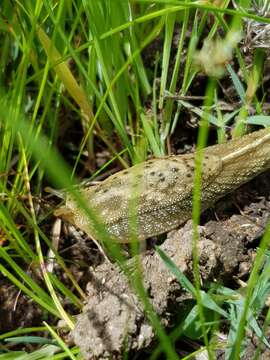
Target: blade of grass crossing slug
{"type": "Point", "coordinates": [196, 208]}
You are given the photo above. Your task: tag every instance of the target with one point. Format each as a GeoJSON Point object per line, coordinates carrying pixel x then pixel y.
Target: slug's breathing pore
{"type": "Point", "coordinates": [156, 195]}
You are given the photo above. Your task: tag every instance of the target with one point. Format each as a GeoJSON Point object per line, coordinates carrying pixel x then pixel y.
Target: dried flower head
{"type": "Point", "coordinates": [215, 54]}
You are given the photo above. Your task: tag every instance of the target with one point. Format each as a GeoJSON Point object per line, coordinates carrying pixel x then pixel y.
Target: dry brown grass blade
{"type": "Point", "coordinates": [65, 75]}
{"type": "Point", "coordinates": [74, 89]}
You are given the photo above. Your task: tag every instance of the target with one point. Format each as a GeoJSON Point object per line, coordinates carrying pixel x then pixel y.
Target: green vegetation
{"type": "Point", "coordinates": [82, 78]}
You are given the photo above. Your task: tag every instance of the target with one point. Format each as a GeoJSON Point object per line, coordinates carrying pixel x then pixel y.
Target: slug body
{"type": "Point", "coordinates": [157, 195]}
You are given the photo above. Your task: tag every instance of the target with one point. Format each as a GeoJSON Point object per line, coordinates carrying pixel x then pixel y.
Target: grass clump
{"type": "Point", "coordinates": [88, 88]}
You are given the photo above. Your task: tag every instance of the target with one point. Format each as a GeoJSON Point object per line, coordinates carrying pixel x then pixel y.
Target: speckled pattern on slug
{"type": "Point", "coordinates": [161, 189]}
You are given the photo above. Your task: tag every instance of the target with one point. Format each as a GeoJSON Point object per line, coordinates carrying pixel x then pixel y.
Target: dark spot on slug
{"type": "Point", "coordinates": [174, 169]}
{"type": "Point", "coordinates": [152, 173]}
{"type": "Point", "coordinates": [125, 172]}
{"type": "Point", "coordinates": [162, 179]}
{"type": "Point", "coordinates": [189, 175]}
{"type": "Point", "coordinates": [160, 174]}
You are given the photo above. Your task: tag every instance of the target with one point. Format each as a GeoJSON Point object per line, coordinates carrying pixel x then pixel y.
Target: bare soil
{"type": "Point", "coordinates": [113, 319]}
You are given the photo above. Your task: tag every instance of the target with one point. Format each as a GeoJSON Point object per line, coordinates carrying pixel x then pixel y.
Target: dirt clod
{"type": "Point", "coordinates": [113, 319]}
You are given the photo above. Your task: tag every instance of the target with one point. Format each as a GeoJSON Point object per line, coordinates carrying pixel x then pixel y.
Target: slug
{"type": "Point", "coordinates": [159, 191]}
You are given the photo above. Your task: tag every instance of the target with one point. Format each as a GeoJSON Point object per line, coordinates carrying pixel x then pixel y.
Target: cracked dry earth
{"type": "Point", "coordinates": [113, 317]}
